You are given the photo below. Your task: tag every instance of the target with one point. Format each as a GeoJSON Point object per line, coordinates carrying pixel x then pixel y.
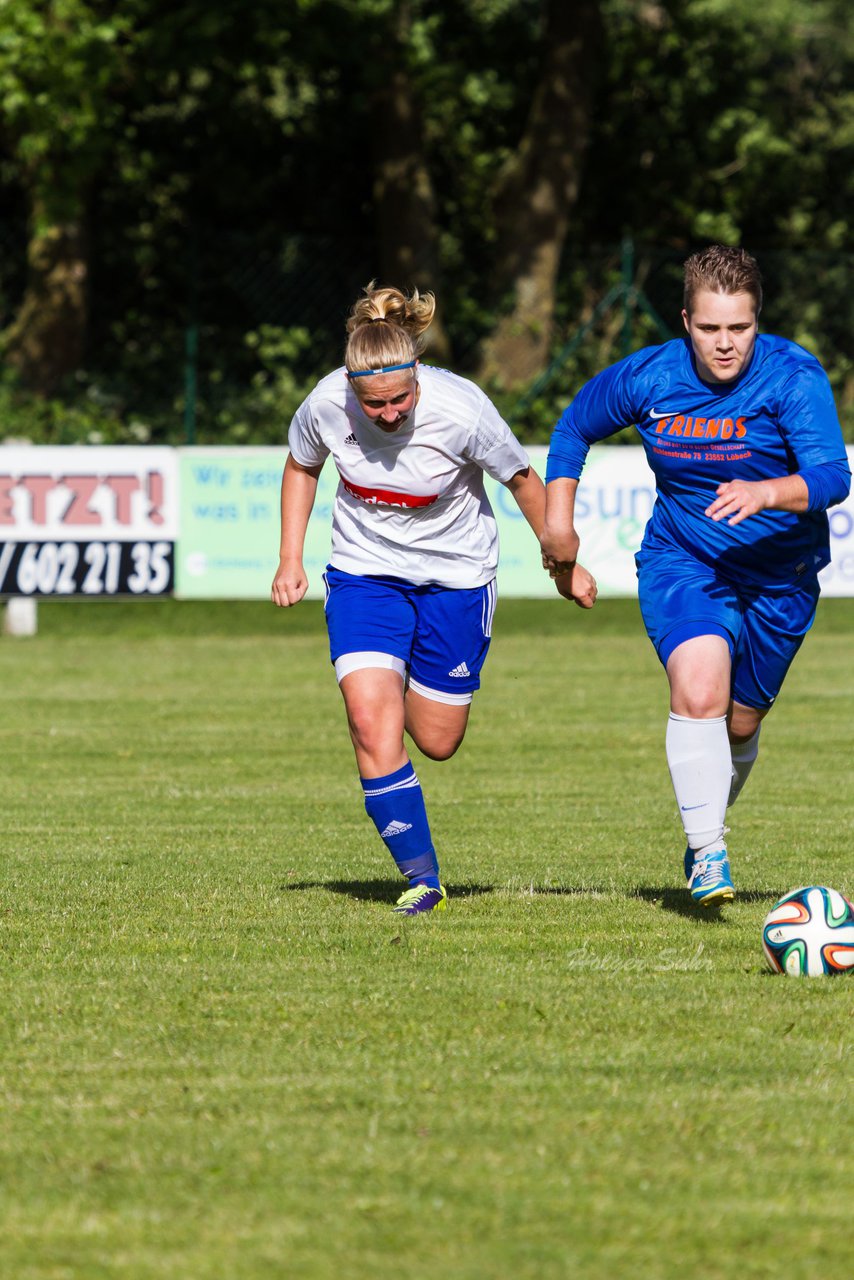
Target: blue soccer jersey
{"type": "Point", "coordinates": [776, 419]}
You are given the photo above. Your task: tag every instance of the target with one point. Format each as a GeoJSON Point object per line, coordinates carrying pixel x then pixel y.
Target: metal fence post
{"type": "Point", "coordinates": [627, 273]}
{"type": "Point", "coordinates": [191, 348]}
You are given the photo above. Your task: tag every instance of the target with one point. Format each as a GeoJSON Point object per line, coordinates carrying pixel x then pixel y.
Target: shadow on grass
{"type": "Point", "coordinates": [381, 890]}
{"type": "Point", "coordinates": [679, 901]}
{"type": "Point", "coordinates": [665, 896]}
{"type": "Point", "coordinates": [390, 891]}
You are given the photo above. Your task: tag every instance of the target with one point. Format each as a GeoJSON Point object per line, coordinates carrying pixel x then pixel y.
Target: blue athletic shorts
{"type": "Point", "coordinates": [440, 634]}
{"type": "Point", "coordinates": [680, 598]}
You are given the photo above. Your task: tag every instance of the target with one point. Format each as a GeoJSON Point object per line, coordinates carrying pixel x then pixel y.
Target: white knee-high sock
{"type": "Point", "coordinates": [743, 759]}
{"type": "Point", "coordinates": [700, 764]}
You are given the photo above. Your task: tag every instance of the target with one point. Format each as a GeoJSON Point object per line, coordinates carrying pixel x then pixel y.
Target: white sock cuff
{"type": "Point", "coordinates": [695, 720]}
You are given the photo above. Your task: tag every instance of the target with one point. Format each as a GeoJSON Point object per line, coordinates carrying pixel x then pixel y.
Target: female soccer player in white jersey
{"type": "Point", "coordinates": [742, 434]}
{"type": "Point", "coordinates": [410, 587]}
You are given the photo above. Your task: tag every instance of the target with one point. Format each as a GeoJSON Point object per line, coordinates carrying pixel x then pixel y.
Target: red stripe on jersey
{"type": "Point", "coordinates": [388, 497]}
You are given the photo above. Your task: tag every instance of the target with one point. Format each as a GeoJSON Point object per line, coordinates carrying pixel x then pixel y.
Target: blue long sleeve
{"type": "Point", "coordinates": [828, 484]}
{"type": "Point", "coordinates": [604, 405]}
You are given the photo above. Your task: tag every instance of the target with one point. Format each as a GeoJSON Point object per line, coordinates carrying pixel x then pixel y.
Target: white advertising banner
{"type": "Point", "coordinates": [838, 578]}
{"type": "Point", "coordinates": [613, 504]}
{"type": "Point", "coordinates": [87, 520]}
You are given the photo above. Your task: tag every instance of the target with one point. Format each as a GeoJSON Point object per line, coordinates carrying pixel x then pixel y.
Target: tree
{"type": "Point", "coordinates": [160, 102]}
{"type": "Point", "coordinates": [267, 159]}
{"type": "Point", "coordinates": [59, 64]}
{"type": "Point", "coordinates": [538, 190]}
{"type": "Point", "coordinates": [404, 200]}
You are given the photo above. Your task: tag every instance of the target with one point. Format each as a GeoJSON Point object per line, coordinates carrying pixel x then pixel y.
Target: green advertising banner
{"type": "Point", "coordinates": [229, 523]}
{"type": "Point", "coordinates": [229, 541]}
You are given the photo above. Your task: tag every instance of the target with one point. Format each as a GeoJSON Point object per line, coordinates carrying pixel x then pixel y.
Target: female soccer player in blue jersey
{"type": "Point", "coordinates": [411, 580]}
{"type": "Point", "coordinates": [742, 434]}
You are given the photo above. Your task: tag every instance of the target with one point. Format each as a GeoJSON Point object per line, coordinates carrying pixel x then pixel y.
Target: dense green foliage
{"type": "Point", "coordinates": [223, 1056]}
{"type": "Point", "coordinates": [221, 168]}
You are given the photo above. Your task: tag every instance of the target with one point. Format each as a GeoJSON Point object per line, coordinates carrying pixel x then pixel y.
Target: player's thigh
{"type": "Point", "coordinates": [773, 631]}
{"type": "Point", "coordinates": [682, 599]}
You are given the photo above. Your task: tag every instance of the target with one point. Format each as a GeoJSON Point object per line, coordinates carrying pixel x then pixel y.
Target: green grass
{"type": "Point", "coordinates": [223, 1057]}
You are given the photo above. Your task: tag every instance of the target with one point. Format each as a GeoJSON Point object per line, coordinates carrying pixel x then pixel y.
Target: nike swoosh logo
{"type": "Point", "coordinates": [686, 807]}
{"type": "Point", "coordinates": [655, 416]}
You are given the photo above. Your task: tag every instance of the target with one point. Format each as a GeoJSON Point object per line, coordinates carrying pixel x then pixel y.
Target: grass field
{"type": "Point", "coordinates": [223, 1057]}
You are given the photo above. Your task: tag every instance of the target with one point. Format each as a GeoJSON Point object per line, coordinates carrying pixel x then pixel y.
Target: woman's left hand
{"type": "Point", "coordinates": [738, 499]}
{"type": "Point", "coordinates": [578, 585]}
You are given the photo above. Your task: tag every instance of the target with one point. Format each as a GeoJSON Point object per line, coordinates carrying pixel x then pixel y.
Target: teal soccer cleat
{"type": "Point", "coordinates": [421, 897]}
{"type": "Point", "coordinates": [709, 879]}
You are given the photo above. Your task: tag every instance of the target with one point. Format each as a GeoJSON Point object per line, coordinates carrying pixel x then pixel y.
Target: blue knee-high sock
{"type": "Point", "coordinates": [395, 804]}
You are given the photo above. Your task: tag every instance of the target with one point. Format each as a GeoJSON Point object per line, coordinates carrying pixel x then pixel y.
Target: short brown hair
{"type": "Point", "coordinates": [722, 269]}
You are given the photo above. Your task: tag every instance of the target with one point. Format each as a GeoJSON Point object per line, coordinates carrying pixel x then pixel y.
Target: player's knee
{"type": "Point", "coordinates": [703, 702]}
{"type": "Point", "coordinates": [437, 728]}
{"type": "Point", "coordinates": [437, 746]}
{"type": "Point", "coordinates": [743, 723]}
{"type": "Point", "coordinates": [367, 728]}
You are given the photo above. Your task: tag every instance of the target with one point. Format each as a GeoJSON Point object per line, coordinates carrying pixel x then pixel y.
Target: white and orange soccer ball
{"type": "Point", "coordinates": [809, 933]}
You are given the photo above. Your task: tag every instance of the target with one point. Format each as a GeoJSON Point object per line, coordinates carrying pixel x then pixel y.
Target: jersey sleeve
{"type": "Point", "coordinates": [605, 404]}
{"type": "Point", "coordinates": [810, 425]}
{"type": "Point", "coordinates": [494, 447]}
{"type": "Point", "coordinates": [304, 440]}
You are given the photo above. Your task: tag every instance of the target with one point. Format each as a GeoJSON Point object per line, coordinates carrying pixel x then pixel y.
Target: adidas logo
{"type": "Point", "coordinates": [461, 670]}
{"type": "Point", "coordinates": [351, 438]}
{"type": "Point", "coordinates": [395, 829]}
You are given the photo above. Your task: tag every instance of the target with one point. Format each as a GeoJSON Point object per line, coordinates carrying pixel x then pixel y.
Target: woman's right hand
{"type": "Point", "coordinates": [290, 584]}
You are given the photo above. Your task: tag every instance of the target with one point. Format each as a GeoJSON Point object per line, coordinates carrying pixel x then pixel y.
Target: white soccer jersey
{"type": "Point", "coordinates": [411, 503]}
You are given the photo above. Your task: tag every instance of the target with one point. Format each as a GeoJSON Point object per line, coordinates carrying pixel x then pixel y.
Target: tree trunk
{"type": "Point", "coordinates": [403, 189]}
{"type": "Point", "coordinates": [538, 191]}
{"type": "Point", "coordinates": [47, 338]}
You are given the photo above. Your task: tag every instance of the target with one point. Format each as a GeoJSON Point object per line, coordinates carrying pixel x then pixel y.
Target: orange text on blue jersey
{"type": "Point", "coordinates": [702, 428]}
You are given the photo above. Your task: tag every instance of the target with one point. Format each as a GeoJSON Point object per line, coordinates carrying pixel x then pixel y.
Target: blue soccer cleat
{"type": "Point", "coordinates": [421, 897]}
{"type": "Point", "coordinates": [709, 878]}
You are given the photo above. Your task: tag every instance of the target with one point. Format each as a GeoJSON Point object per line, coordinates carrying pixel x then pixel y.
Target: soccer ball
{"type": "Point", "coordinates": [810, 932]}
